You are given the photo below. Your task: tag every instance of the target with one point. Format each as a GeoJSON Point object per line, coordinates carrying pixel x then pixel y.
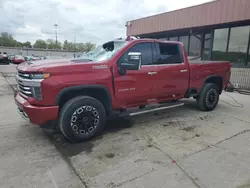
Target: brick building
{"type": "Point", "coordinates": [217, 30]}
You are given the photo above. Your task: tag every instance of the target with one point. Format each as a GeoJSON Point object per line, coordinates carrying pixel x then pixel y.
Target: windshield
{"type": "Point", "coordinates": [105, 51]}
{"type": "Point", "coordinates": [18, 56]}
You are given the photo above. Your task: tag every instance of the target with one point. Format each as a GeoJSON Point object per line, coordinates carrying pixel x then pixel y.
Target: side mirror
{"type": "Point", "coordinates": [133, 62]}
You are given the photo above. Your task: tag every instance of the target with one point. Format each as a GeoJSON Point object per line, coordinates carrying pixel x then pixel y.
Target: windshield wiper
{"type": "Point", "coordinates": [87, 59]}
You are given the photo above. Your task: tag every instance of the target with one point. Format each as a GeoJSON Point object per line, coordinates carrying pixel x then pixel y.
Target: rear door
{"type": "Point", "coordinates": [135, 86]}
{"type": "Point", "coordinates": [173, 73]}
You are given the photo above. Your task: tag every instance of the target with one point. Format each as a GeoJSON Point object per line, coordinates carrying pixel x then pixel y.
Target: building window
{"type": "Point", "coordinates": [248, 60]}
{"type": "Point", "coordinates": [184, 40]}
{"type": "Point", "coordinates": [206, 55]}
{"type": "Point", "coordinates": [173, 38]}
{"type": "Point", "coordinates": [220, 44]}
{"type": "Point", "coordinates": [195, 45]}
{"type": "Point", "coordinates": [237, 49]}
{"type": "Point", "coordinates": [163, 39]}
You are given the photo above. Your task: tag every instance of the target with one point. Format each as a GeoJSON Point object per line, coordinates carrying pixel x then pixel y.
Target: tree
{"type": "Point", "coordinates": [27, 44]}
{"type": "Point", "coordinates": [65, 45]}
{"type": "Point", "coordinates": [59, 45]}
{"type": "Point", "coordinates": [40, 44]}
{"type": "Point", "coordinates": [19, 44]}
{"type": "Point", "coordinates": [84, 47]}
{"type": "Point", "coordinates": [89, 46]}
{"type": "Point", "coordinates": [69, 46]}
{"type": "Point", "coordinates": [80, 47]}
{"type": "Point", "coordinates": [6, 39]}
{"type": "Point", "coordinates": [52, 44]}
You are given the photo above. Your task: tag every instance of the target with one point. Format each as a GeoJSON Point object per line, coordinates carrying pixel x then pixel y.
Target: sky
{"type": "Point", "coordinates": [93, 21]}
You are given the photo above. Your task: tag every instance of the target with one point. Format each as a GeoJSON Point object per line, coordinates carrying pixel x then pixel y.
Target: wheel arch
{"type": "Point", "coordinates": [215, 79]}
{"type": "Point", "coordinates": [98, 92]}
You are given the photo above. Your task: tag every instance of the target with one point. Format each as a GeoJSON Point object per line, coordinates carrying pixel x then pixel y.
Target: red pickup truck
{"type": "Point", "coordinates": [78, 95]}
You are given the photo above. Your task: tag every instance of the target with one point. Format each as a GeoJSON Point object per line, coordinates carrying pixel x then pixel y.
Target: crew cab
{"type": "Point", "coordinates": [78, 95]}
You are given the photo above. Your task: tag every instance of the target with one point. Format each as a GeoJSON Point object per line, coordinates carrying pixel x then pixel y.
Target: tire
{"type": "Point", "coordinates": [208, 97]}
{"type": "Point", "coordinates": [81, 118]}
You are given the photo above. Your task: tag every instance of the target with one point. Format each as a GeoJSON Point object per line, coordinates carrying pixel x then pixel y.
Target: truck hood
{"type": "Point", "coordinates": [62, 66]}
{"type": "Point", "coordinates": [34, 66]}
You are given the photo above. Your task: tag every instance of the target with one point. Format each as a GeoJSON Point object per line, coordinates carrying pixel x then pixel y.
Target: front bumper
{"type": "Point", "coordinates": [39, 115]}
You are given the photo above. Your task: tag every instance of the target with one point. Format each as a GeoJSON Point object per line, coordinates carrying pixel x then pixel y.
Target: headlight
{"type": "Point", "coordinates": [40, 76]}
{"type": "Point", "coordinates": [37, 92]}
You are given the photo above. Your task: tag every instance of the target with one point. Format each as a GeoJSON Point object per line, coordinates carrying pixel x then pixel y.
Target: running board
{"type": "Point", "coordinates": [152, 109]}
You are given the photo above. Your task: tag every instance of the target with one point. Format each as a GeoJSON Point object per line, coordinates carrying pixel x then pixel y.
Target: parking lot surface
{"type": "Point", "coordinates": [181, 147]}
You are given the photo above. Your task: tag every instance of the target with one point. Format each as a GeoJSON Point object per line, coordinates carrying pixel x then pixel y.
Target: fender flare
{"type": "Point", "coordinates": [213, 76]}
{"type": "Point", "coordinates": [74, 88]}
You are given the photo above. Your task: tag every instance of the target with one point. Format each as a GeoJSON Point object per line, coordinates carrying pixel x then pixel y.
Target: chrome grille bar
{"type": "Point", "coordinates": [23, 75]}
{"type": "Point", "coordinates": [25, 84]}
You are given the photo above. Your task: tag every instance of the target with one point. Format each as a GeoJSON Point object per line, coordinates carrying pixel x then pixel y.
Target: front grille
{"type": "Point", "coordinates": [23, 89]}
{"type": "Point", "coordinates": [28, 87]}
{"type": "Point", "coordinates": [23, 75]}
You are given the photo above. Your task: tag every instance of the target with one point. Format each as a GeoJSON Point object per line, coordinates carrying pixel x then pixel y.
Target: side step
{"type": "Point", "coordinates": [153, 108]}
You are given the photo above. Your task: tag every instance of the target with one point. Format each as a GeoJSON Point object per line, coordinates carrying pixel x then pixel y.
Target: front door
{"type": "Point", "coordinates": [135, 86]}
{"type": "Point", "coordinates": [173, 73]}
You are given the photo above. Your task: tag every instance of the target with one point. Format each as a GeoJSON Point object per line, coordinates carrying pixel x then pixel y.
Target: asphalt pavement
{"type": "Point", "coordinates": [28, 158]}
{"type": "Point", "coordinates": [181, 147]}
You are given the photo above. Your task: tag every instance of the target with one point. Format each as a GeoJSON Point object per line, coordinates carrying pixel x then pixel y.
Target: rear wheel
{"type": "Point", "coordinates": [208, 97]}
{"type": "Point", "coordinates": [81, 118]}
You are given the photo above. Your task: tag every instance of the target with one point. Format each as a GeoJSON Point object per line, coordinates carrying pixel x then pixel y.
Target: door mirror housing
{"type": "Point", "coordinates": [133, 62]}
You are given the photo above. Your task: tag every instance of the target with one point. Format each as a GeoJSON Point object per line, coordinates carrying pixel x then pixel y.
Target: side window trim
{"type": "Point", "coordinates": [181, 54]}
{"type": "Point", "coordinates": [152, 55]}
{"type": "Point", "coordinates": [151, 43]}
{"type": "Point", "coordinates": [155, 51]}
{"type": "Point", "coordinates": [170, 64]}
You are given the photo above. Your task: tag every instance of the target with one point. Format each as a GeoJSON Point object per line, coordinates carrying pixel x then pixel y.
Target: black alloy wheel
{"type": "Point", "coordinates": [211, 97]}
{"type": "Point", "coordinates": [84, 120]}
{"type": "Point", "coordinates": [81, 118]}
{"type": "Point", "coordinates": [208, 97]}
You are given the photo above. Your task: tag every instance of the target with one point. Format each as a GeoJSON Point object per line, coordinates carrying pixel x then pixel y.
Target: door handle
{"type": "Point", "coordinates": [152, 73]}
{"type": "Point", "coordinates": [183, 70]}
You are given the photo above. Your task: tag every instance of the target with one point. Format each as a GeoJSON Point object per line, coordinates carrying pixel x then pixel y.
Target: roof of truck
{"type": "Point", "coordinates": [131, 38]}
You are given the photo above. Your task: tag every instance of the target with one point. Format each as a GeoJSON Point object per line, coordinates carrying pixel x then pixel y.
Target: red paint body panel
{"type": "Point", "coordinates": [140, 87]}
{"type": "Point", "coordinates": [173, 79]}
{"type": "Point", "coordinates": [200, 70]}
{"type": "Point", "coordinates": [17, 60]}
{"type": "Point", "coordinates": [39, 115]}
{"type": "Point", "coordinates": [134, 88]}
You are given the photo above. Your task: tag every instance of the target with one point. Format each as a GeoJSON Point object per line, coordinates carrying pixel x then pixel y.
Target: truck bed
{"type": "Point", "coordinates": [201, 70]}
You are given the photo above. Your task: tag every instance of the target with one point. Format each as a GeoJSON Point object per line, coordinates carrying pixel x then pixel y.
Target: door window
{"type": "Point", "coordinates": [169, 53]}
{"type": "Point", "coordinates": [146, 53]}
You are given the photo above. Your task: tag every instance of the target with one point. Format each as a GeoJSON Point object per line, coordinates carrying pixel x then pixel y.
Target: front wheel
{"type": "Point", "coordinates": [208, 97]}
{"type": "Point", "coordinates": [81, 118]}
